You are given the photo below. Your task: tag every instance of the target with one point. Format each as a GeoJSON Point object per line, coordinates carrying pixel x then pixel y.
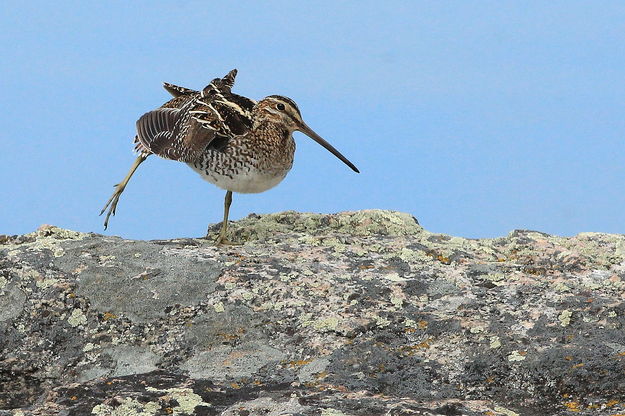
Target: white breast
{"type": "Point", "coordinates": [250, 182]}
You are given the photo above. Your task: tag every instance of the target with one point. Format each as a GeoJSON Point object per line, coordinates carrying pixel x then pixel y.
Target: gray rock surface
{"type": "Point", "coordinates": [356, 313]}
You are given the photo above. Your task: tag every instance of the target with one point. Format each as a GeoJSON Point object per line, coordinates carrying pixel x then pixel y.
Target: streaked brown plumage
{"type": "Point", "coordinates": [233, 142]}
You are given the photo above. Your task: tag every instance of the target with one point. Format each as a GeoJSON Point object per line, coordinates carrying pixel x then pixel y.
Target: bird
{"type": "Point", "coordinates": [236, 143]}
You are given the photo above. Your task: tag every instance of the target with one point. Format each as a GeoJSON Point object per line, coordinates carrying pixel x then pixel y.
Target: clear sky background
{"type": "Point", "coordinates": [476, 117]}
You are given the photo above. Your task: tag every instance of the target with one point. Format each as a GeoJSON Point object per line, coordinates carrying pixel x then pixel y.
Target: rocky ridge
{"type": "Point", "coordinates": [356, 313]}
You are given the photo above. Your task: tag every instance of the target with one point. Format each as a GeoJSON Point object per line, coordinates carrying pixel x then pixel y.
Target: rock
{"type": "Point", "coordinates": [356, 313]}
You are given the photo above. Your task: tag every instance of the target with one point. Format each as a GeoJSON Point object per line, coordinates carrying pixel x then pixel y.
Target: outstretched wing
{"type": "Point", "coordinates": [172, 133]}
{"type": "Point", "coordinates": [192, 121]}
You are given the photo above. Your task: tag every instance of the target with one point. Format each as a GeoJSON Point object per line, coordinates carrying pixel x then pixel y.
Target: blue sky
{"type": "Point", "coordinates": [476, 117]}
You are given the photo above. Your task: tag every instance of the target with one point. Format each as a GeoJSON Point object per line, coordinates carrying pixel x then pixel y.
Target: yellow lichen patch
{"type": "Point", "coordinates": [235, 386]}
{"type": "Point", "coordinates": [109, 315]}
{"type": "Point", "coordinates": [443, 259]}
{"type": "Point", "coordinates": [413, 349]}
{"type": "Point", "coordinates": [422, 324]}
{"type": "Point", "coordinates": [321, 375]}
{"type": "Point", "coordinates": [612, 403]}
{"type": "Point", "coordinates": [578, 365]}
{"type": "Point", "coordinates": [298, 363]}
{"type": "Point", "coordinates": [573, 406]}
{"type": "Point", "coordinates": [424, 344]}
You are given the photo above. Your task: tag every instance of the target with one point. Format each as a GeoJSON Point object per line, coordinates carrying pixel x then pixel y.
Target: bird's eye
{"type": "Point", "coordinates": [280, 107]}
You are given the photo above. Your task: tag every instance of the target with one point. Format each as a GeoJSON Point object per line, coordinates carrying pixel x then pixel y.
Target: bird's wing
{"type": "Point", "coordinates": [193, 121]}
{"type": "Point", "coordinates": [177, 91]}
{"type": "Point", "coordinates": [227, 113]}
{"type": "Point", "coordinates": [172, 134]}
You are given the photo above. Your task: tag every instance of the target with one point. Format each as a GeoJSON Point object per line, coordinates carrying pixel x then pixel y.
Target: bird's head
{"type": "Point", "coordinates": [283, 111]}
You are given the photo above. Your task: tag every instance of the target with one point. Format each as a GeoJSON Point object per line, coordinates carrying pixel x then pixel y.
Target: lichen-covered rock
{"type": "Point", "coordinates": [356, 313]}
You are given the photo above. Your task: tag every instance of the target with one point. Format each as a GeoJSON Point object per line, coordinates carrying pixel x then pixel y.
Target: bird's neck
{"type": "Point", "coordinates": [268, 128]}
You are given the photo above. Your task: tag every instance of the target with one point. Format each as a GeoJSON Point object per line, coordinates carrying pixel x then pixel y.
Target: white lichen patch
{"type": "Point", "coordinates": [326, 324]}
{"type": "Point", "coordinates": [45, 283]}
{"type": "Point", "coordinates": [476, 329]}
{"type": "Point", "coordinates": [516, 356]}
{"type": "Point", "coordinates": [494, 342]}
{"type": "Point", "coordinates": [332, 412]}
{"type": "Point", "coordinates": [394, 277]}
{"type": "Point", "coordinates": [565, 317]}
{"type": "Point", "coordinates": [77, 318]}
{"type": "Point", "coordinates": [410, 323]}
{"type": "Point", "coordinates": [335, 244]}
{"type": "Point", "coordinates": [49, 244]}
{"type": "Point", "coordinates": [127, 407]}
{"type": "Point", "coordinates": [382, 322]}
{"type": "Point", "coordinates": [106, 260]}
{"type": "Point", "coordinates": [219, 307]}
{"type": "Point", "coordinates": [561, 287]}
{"type": "Point", "coordinates": [397, 301]}
{"type": "Point", "coordinates": [3, 282]}
{"type": "Point", "coordinates": [186, 398]}
{"type": "Point", "coordinates": [504, 411]}
{"type": "Point", "coordinates": [497, 279]}
{"type": "Point", "coordinates": [411, 256]}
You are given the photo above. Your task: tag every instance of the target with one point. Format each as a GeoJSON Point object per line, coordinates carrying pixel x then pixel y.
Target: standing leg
{"type": "Point", "coordinates": [224, 225]}
{"type": "Point", "coordinates": [119, 188]}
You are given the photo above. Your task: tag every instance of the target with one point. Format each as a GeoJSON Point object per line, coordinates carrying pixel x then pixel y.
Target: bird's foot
{"type": "Point", "coordinates": [222, 239]}
{"type": "Point", "coordinates": [111, 204]}
{"type": "Point", "coordinates": [225, 242]}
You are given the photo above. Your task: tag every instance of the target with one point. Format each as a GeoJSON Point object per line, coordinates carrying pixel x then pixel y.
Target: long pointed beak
{"type": "Point", "coordinates": [310, 133]}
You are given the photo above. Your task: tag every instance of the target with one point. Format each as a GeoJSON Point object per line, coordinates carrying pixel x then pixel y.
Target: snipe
{"type": "Point", "coordinates": [233, 142]}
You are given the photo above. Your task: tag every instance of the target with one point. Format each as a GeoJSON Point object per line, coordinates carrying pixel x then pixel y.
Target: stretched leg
{"type": "Point", "coordinates": [111, 204]}
{"type": "Point", "coordinates": [224, 225]}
